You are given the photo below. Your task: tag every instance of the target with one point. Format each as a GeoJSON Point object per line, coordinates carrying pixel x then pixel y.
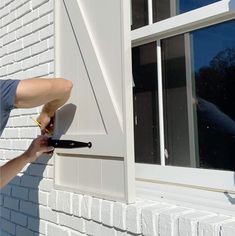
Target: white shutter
{"type": "Point", "coordinates": [93, 49]}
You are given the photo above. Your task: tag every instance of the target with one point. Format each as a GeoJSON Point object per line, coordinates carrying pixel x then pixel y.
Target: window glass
{"type": "Point", "coordinates": [188, 5]}
{"type": "Point", "coordinates": [199, 97]}
{"type": "Point", "coordinates": [175, 102]}
{"type": "Point", "coordinates": [139, 13]}
{"type": "Point", "coordinates": [214, 72]}
{"type": "Point", "coordinates": [161, 10]}
{"type": "Point", "coordinates": [145, 90]}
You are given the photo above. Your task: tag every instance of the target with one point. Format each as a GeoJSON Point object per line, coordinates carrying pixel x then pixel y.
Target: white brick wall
{"type": "Point", "coordinates": [29, 205]}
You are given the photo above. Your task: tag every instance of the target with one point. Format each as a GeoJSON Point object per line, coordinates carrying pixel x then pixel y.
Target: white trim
{"type": "Point", "coordinates": [150, 12]}
{"type": "Point", "coordinates": [160, 104]}
{"type": "Point", "coordinates": [201, 17]}
{"type": "Point", "coordinates": [213, 180]}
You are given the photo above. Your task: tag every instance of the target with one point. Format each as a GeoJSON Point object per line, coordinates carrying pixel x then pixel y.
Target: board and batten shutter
{"type": "Point", "coordinates": [93, 50]}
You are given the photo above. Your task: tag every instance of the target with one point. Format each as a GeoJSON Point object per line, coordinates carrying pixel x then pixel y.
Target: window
{"type": "Point", "coordinates": [146, 12]}
{"type": "Point", "coordinates": [193, 66]}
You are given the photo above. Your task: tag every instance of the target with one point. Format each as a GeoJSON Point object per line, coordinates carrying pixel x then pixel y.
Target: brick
{"type": "Point", "coordinates": [86, 207]}
{"type": "Point", "coordinates": [38, 197]}
{"type": "Point", "coordinates": [119, 215]}
{"type": "Point", "coordinates": [64, 202]}
{"type": "Point", "coordinates": [77, 204]}
{"type": "Point", "coordinates": [23, 54]}
{"type": "Point", "coordinates": [72, 222]}
{"type": "Point", "coordinates": [46, 185]}
{"type": "Point", "coordinates": [188, 223]}
{"type": "Point", "coordinates": [41, 23]}
{"type": "Point", "coordinates": [133, 222]}
{"type": "Point", "coordinates": [47, 56]}
{"type": "Point", "coordinates": [14, 46]}
{"type": "Point", "coordinates": [11, 133]}
{"type": "Point", "coordinates": [30, 62]}
{"type": "Point", "coordinates": [53, 199]}
{"type": "Point", "coordinates": [24, 31]}
{"type": "Point", "coordinates": [107, 231]}
{"type": "Point", "coordinates": [19, 192]}
{"type": "Point", "coordinates": [38, 3]}
{"type": "Point", "coordinates": [35, 224]}
{"type": "Point", "coordinates": [47, 214]}
{"type": "Point", "coordinates": [47, 32]}
{"type": "Point", "coordinates": [39, 47]}
{"type": "Point", "coordinates": [29, 208]}
{"type": "Point", "coordinates": [13, 68]}
{"type": "Point", "coordinates": [11, 203]}
{"type": "Point", "coordinates": [96, 209]}
{"type": "Point", "coordinates": [150, 218]}
{"type": "Point", "coordinates": [5, 213]}
{"type": "Point", "coordinates": [18, 218]}
{"type": "Point", "coordinates": [228, 229]}
{"type": "Point", "coordinates": [211, 226]}
{"type": "Point", "coordinates": [23, 231]}
{"type": "Point", "coordinates": [31, 39]}
{"type": "Point", "coordinates": [23, 10]}
{"type": "Point", "coordinates": [107, 213]}
{"type": "Point", "coordinates": [8, 226]}
{"type": "Point", "coordinates": [93, 228]}
{"type": "Point", "coordinates": [37, 170]}
{"type": "Point", "coordinates": [46, 8]}
{"type": "Point", "coordinates": [56, 230]}
{"type": "Point", "coordinates": [30, 181]}
{"type": "Point", "coordinates": [30, 17]}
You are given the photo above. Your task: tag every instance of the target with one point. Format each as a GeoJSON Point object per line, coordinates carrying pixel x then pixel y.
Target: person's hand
{"type": "Point", "coordinates": [37, 148]}
{"type": "Point", "coordinates": [46, 122]}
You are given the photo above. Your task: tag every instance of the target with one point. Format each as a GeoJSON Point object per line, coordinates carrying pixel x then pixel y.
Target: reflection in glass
{"type": "Point", "coordinates": [188, 5]}
{"type": "Point", "coordinates": [175, 102]}
{"type": "Point", "coordinates": [139, 13]}
{"type": "Point", "coordinates": [214, 71]}
{"type": "Point", "coordinates": [161, 10]}
{"type": "Point", "coordinates": [146, 123]}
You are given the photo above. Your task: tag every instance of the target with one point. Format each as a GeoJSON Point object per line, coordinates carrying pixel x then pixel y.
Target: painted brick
{"type": "Point", "coordinates": [29, 208]}
{"type": "Point", "coordinates": [23, 54]}
{"type": "Point", "coordinates": [7, 226]}
{"type": "Point", "coordinates": [23, 231]}
{"type": "Point", "coordinates": [212, 225]}
{"type": "Point", "coordinates": [11, 203]}
{"type": "Point", "coordinates": [53, 200]}
{"type": "Point", "coordinates": [11, 133]}
{"type": "Point", "coordinates": [38, 3]}
{"type": "Point", "coordinates": [188, 223]}
{"type": "Point", "coordinates": [77, 204]}
{"type": "Point", "coordinates": [56, 230]}
{"type": "Point", "coordinates": [14, 46]}
{"type": "Point", "coordinates": [64, 202]}
{"type": "Point", "coordinates": [72, 222]}
{"type": "Point", "coordinates": [5, 213]}
{"type": "Point", "coordinates": [150, 217]}
{"type": "Point", "coordinates": [31, 39]}
{"type": "Point", "coordinates": [47, 32]}
{"type": "Point", "coordinates": [134, 224]}
{"type": "Point", "coordinates": [18, 218]}
{"type": "Point", "coordinates": [20, 192]}
{"type": "Point", "coordinates": [47, 214]}
{"type": "Point", "coordinates": [30, 17]}
{"type": "Point", "coordinates": [228, 229]}
{"type": "Point", "coordinates": [38, 197]}
{"type": "Point", "coordinates": [86, 207]}
{"type": "Point", "coordinates": [168, 221]}
{"type": "Point", "coordinates": [96, 209]}
{"type": "Point", "coordinates": [119, 215]}
{"type": "Point", "coordinates": [35, 224]}
{"type": "Point", "coordinates": [39, 47]}
{"type": "Point", "coordinates": [21, 11]}
{"type": "Point", "coordinates": [107, 231]}
{"type": "Point", "coordinates": [46, 8]}
{"type": "Point", "coordinates": [93, 228]}
{"type": "Point", "coordinates": [107, 213]}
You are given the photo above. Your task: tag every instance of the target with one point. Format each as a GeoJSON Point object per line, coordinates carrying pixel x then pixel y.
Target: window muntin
{"type": "Point", "coordinates": [146, 12]}
{"type": "Point", "coordinates": [145, 92]}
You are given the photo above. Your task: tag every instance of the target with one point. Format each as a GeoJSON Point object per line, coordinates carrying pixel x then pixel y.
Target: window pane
{"type": "Point", "coordinates": [146, 123]}
{"type": "Point", "coordinates": [214, 71]}
{"type": "Point", "coordinates": [161, 10]}
{"type": "Point", "coordinates": [175, 102]}
{"type": "Point", "coordinates": [188, 5]}
{"type": "Point", "coordinates": [199, 97]}
{"type": "Point", "coordinates": [139, 13]}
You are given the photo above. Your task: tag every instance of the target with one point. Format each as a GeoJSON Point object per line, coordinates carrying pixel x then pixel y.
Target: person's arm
{"type": "Point", "coordinates": [13, 167]}
{"type": "Point", "coordinates": [53, 93]}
